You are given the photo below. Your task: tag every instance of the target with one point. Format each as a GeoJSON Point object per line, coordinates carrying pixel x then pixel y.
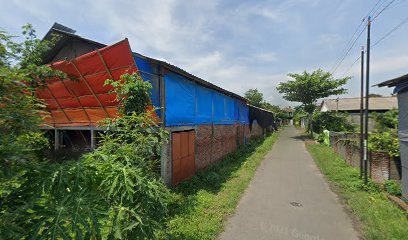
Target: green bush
{"type": "Point", "coordinates": [336, 122]}
{"type": "Point", "coordinates": [393, 187]}
{"type": "Point", "coordinates": [386, 141]}
{"type": "Point", "coordinates": [385, 137]}
{"type": "Point", "coordinates": [113, 192]}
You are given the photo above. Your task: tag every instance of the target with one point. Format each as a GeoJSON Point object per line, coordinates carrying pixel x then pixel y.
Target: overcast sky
{"type": "Point", "coordinates": [235, 44]}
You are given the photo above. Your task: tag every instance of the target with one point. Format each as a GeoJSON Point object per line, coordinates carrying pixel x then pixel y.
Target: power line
{"type": "Point", "coordinates": [351, 66]}
{"type": "Point", "coordinates": [348, 51]}
{"type": "Point", "coordinates": [382, 10]}
{"type": "Point", "coordinates": [372, 11]}
{"type": "Point", "coordinates": [405, 20]}
{"type": "Point", "coordinates": [350, 44]}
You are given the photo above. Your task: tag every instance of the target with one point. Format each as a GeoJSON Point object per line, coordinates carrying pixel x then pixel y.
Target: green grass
{"type": "Point", "coordinates": [380, 218]}
{"type": "Point", "coordinates": [202, 203]}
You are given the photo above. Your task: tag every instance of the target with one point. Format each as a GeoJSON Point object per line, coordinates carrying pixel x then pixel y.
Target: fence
{"type": "Point", "coordinates": [381, 167]}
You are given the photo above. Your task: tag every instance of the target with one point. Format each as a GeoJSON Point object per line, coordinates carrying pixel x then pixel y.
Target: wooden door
{"type": "Point", "coordinates": [183, 156]}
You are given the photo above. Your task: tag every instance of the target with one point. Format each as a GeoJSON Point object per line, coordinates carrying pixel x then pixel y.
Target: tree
{"type": "Point", "coordinates": [254, 97]}
{"type": "Point", "coordinates": [307, 88]}
{"type": "Point", "coordinates": [21, 71]}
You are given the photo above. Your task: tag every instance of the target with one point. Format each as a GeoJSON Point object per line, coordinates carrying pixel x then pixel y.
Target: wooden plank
{"type": "Point", "coordinates": [184, 144]}
{"type": "Point", "coordinates": [175, 146]}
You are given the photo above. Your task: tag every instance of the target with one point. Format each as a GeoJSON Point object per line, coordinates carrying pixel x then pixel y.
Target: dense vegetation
{"type": "Point", "coordinates": [385, 136]}
{"type": "Point", "coordinates": [20, 111]}
{"type": "Point", "coordinates": [112, 192]}
{"type": "Point", "coordinates": [379, 217]}
{"type": "Point", "coordinates": [336, 122]}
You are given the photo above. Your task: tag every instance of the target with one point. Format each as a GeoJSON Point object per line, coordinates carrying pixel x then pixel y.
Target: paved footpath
{"type": "Point", "coordinates": [289, 199]}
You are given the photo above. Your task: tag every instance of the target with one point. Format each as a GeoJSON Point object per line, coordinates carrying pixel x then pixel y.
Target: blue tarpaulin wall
{"type": "Point", "coordinates": [188, 103]}
{"type": "Point", "coordinates": [148, 72]}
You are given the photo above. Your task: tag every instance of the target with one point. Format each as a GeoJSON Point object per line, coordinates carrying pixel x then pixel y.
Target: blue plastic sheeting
{"type": "Point", "coordinates": [188, 103]}
{"type": "Point", "coordinates": [243, 113]}
{"type": "Point", "coordinates": [148, 72]}
{"type": "Point", "coordinates": [204, 105]}
{"type": "Point", "coordinates": [180, 100]}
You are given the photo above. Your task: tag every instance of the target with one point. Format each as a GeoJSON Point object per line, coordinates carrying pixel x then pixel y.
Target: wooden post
{"type": "Point", "coordinates": [166, 147]}
{"type": "Point", "coordinates": [56, 139]}
{"type": "Point", "coordinates": [92, 139]}
{"type": "Point", "coordinates": [162, 93]}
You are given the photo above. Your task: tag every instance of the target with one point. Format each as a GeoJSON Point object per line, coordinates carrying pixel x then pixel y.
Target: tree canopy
{"type": "Point", "coordinates": [307, 87]}
{"type": "Point", "coordinates": [254, 97]}
{"type": "Point", "coordinates": [21, 71]}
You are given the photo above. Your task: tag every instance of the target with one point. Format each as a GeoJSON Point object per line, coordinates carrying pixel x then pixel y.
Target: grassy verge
{"type": "Point", "coordinates": [380, 218]}
{"type": "Point", "coordinates": [202, 203]}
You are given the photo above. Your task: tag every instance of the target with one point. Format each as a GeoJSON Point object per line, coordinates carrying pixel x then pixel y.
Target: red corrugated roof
{"type": "Point", "coordinates": [85, 100]}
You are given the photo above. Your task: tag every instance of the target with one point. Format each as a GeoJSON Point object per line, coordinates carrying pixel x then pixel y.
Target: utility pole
{"type": "Point", "coordinates": [367, 102]}
{"type": "Point", "coordinates": [362, 115]}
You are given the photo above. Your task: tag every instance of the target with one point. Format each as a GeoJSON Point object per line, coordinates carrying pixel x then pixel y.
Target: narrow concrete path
{"type": "Point", "coordinates": [289, 199]}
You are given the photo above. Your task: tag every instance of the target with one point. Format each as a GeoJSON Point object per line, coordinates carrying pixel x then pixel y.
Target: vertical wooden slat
{"type": "Point", "coordinates": [183, 156]}
{"type": "Point", "coordinates": [184, 144]}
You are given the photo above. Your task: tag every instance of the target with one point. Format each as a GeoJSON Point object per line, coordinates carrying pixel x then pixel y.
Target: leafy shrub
{"type": "Point", "coordinates": [134, 95]}
{"type": "Point", "coordinates": [393, 187]}
{"type": "Point", "coordinates": [386, 141]}
{"type": "Point", "coordinates": [336, 122]}
{"type": "Point", "coordinates": [112, 192]}
{"type": "Point", "coordinates": [20, 111]}
{"type": "Point", "coordinates": [387, 120]}
{"type": "Point", "coordinates": [385, 137]}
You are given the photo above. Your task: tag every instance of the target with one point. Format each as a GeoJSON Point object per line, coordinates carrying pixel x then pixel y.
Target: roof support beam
{"type": "Point", "coordinates": [90, 89]}
{"type": "Point", "coordinates": [76, 98]}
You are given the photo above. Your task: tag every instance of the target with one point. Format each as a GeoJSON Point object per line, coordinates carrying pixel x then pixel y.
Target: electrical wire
{"type": "Point", "coordinates": [382, 10]}
{"type": "Point", "coordinates": [350, 44]}
{"type": "Point", "coordinates": [348, 51]}
{"type": "Point", "coordinates": [372, 11]}
{"type": "Point", "coordinates": [405, 20]}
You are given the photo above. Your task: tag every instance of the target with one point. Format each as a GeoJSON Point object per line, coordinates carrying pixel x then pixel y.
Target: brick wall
{"type": "Point", "coordinates": [382, 166]}
{"type": "Point", "coordinates": [379, 166]}
{"type": "Point", "coordinates": [213, 142]}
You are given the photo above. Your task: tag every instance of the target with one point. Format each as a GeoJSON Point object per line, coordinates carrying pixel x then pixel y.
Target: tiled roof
{"type": "Point", "coordinates": [352, 104]}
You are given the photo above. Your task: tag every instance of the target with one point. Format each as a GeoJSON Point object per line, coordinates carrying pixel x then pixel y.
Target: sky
{"type": "Point", "coordinates": [234, 44]}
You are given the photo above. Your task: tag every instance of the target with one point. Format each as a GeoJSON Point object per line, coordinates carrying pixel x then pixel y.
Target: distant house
{"type": "Point", "coordinates": [401, 89]}
{"type": "Point", "coordinates": [352, 107]}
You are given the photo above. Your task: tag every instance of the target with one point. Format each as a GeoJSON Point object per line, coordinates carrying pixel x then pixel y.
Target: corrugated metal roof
{"type": "Point", "coordinates": [353, 104]}
{"type": "Point", "coordinates": [71, 33]}
{"type": "Point", "coordinates": [394, 82]}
